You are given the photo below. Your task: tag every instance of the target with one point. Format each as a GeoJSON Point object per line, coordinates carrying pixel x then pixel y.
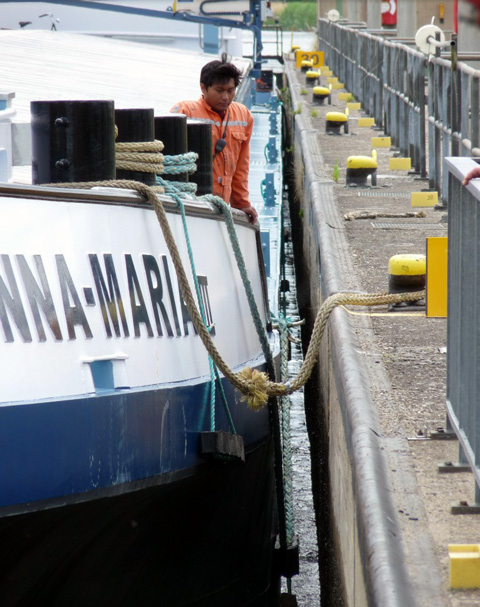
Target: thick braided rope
{"type": "Point", "coordinates": [253, 384]}
{"type": "Point", "coordinates": [176, 187]}
{"type": "Point", "coordinates": [142, 156]}
{"type": "Point", "coordinates": [181, 163]}
{"type": "Point", "coordinates": [340, 299]}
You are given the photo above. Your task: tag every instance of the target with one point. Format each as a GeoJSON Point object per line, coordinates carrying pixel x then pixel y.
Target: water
{"type": "Point", "coordinates": [305, 586]}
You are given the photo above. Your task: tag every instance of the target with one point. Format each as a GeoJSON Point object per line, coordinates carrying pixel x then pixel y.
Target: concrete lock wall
{"type": "Point", "coordinates": [363, 520]}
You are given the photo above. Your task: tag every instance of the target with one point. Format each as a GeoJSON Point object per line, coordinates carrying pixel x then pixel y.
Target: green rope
{"type": "Point", "coordinates": [181, 163]}
{"type": "Point", "coordinates": [225, 209]}
{"type": "Point", "coordinates": [214, 375]}
{"type": "Point", "coordinates": [177, 187]}
{"type": "Point", "coordinates": [284, 324]}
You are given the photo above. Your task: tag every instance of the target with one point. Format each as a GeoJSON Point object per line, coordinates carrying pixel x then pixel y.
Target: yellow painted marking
{"type": "Point", "coordinates": [354, 105]}
{"type": "Point", "coordinates": [327, 73]}
{"type": "Point", "coordinates": [400, 164]}
{"type": "Point", "coordinates": [366, 121]}
{"type": "Point", "coordinates": [437, 263]}
{"type": "Point", "coordinates": [464, 565]}
{"type": "Point", "coordinates": [381, 142]}
{"type": "Point", "coordinates": [374, 154]}
{"type": "Point", "coordinates": [424, 199]}
{"type": "Point", "coordinates": [316, 57]}
{"type": "Point", "coordinates": [332, 80]}
{"type": "Point", "coordinates": [324, 68]}
{"type": "Point", "coordinates": [344, 96]}
{"type": "Point", "coordinates": [338, 85]}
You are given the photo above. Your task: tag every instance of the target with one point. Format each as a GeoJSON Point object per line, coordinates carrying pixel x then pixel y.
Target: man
{"type": "Point", "coordinates": [232, 125]}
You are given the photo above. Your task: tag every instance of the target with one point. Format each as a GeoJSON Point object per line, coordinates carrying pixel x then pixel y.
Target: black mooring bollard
{"type": "Point", "coordinates": [172, 130]}
{"type": "Point", "coordinates": [72, 141]}
{"type": "Point", "coordinates": [200, 141]}
{"type": "Point", "coordinates": [135, 125]}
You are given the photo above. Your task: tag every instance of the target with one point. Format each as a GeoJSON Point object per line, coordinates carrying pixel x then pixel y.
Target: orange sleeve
{"type": "Point", "coordinates": [240, 198]}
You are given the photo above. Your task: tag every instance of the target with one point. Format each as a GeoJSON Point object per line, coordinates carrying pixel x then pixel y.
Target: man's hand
{"type": "Point", "coordinates": [252, 214]}
{"type": "Point", "coordinates": [472, 174]}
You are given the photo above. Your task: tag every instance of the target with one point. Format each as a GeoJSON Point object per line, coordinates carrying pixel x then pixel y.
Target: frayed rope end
{"type": "Point", "coordinates": [258, 396]}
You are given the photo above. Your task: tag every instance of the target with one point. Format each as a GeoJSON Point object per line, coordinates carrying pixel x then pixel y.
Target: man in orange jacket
{"type": "Point", "coordinates": [232, 125]}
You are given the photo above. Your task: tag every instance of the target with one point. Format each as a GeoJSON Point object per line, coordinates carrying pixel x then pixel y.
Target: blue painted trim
{"type": "Point", "coordinates": [62, 448]}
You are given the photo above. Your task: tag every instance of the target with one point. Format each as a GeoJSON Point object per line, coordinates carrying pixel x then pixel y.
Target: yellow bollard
{"type": "Point", "coordinates": [359, 168]}
{"type": "Point", "coordinates": [334, 121]}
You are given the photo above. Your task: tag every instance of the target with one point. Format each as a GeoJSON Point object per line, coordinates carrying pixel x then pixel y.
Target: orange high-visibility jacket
{"type": "Point", "coordinates": [230, 166]}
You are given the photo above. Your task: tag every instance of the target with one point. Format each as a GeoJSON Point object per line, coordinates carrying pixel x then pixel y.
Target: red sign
{"type": "Point", "coordinates": [389, 12]}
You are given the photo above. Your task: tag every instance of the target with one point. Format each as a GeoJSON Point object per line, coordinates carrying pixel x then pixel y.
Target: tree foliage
{"type": "Point", "coordinates": [301, 16]}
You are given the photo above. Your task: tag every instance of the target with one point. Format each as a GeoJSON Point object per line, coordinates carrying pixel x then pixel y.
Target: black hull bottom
{"type": "Point", "coordinates": [205, 541]}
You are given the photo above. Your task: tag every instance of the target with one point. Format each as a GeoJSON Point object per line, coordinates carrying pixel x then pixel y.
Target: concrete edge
{"type": "Point", "coordinates": [387, 582]}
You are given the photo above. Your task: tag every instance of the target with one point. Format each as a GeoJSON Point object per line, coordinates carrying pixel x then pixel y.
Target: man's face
{"type": "Point", "coordinates": [220, 95]}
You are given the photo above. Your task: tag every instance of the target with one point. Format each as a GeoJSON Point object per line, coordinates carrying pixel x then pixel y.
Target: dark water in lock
{"type": "Point", "coordinates": [304, 586]}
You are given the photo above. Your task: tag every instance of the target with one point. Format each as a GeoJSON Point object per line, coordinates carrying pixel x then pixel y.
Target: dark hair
{"type": "Point", "coordinates": [219, 72]}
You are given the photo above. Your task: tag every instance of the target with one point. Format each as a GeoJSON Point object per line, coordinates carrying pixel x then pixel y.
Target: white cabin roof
{"type": "Point", "coordinates": [52, 65]}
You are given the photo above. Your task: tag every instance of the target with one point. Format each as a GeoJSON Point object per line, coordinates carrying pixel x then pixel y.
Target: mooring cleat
{"type": "Point", "coordinates": [320, 93]}
{"type": "Point", "coordinates": [359, 168]}
{"type": "Point", "coordinates": [334, 122]}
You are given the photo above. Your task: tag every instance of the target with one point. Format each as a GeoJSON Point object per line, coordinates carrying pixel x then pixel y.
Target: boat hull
{"type": "Point", "coordinates": [204, 540]}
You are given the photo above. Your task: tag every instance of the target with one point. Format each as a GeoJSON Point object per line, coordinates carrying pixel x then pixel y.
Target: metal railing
{"type": "Point", "coordinates": [463, 337]}
{"type": "Point", "coordinates": [428, 105]}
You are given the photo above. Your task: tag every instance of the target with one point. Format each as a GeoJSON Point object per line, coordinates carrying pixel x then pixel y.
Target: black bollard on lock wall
{"type": "Point", "coordinates": [72, 141]}
{"type": "Point", "coordinates": [200, 141]}
{"type": "Point", "coordinates": [172, 131]}
{"type": "Point", "coordinates": [135, 125]}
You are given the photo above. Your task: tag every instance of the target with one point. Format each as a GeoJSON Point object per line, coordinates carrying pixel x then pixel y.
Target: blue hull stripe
{"type": "Point", "coordinates": [61, 448]}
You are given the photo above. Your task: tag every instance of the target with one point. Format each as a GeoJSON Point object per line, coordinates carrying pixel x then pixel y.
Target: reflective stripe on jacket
{"type": "Point", "coordinates": [230, 166]}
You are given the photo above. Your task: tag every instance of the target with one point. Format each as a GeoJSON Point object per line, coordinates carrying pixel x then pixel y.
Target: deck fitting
{"type": "Point", "coordinates": [447, 467]}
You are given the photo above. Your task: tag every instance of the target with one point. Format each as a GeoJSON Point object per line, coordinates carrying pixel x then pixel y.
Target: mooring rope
{"type": "Point", "coordinates": [254, 385]}
{"type": "Point", "coordinates": [180, 163]}
{"type": "Point", "coordinates": [141, 156]}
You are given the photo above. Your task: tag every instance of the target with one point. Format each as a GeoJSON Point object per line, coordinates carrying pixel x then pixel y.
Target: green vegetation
{"type": "Point", "coordinates": [298, 110]}
{"type": "Point", "coordinates": [303, 92]}
{"type": "Point", "coordinates": [301, 16]}
{"type": "Point", "coordinates": [336, 172]}
{"type": "Point", "coordinates": [314, 113]}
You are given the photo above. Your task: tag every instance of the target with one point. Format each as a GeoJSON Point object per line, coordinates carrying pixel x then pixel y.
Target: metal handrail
{"type": "Point", "coordinates": [427, 104]}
